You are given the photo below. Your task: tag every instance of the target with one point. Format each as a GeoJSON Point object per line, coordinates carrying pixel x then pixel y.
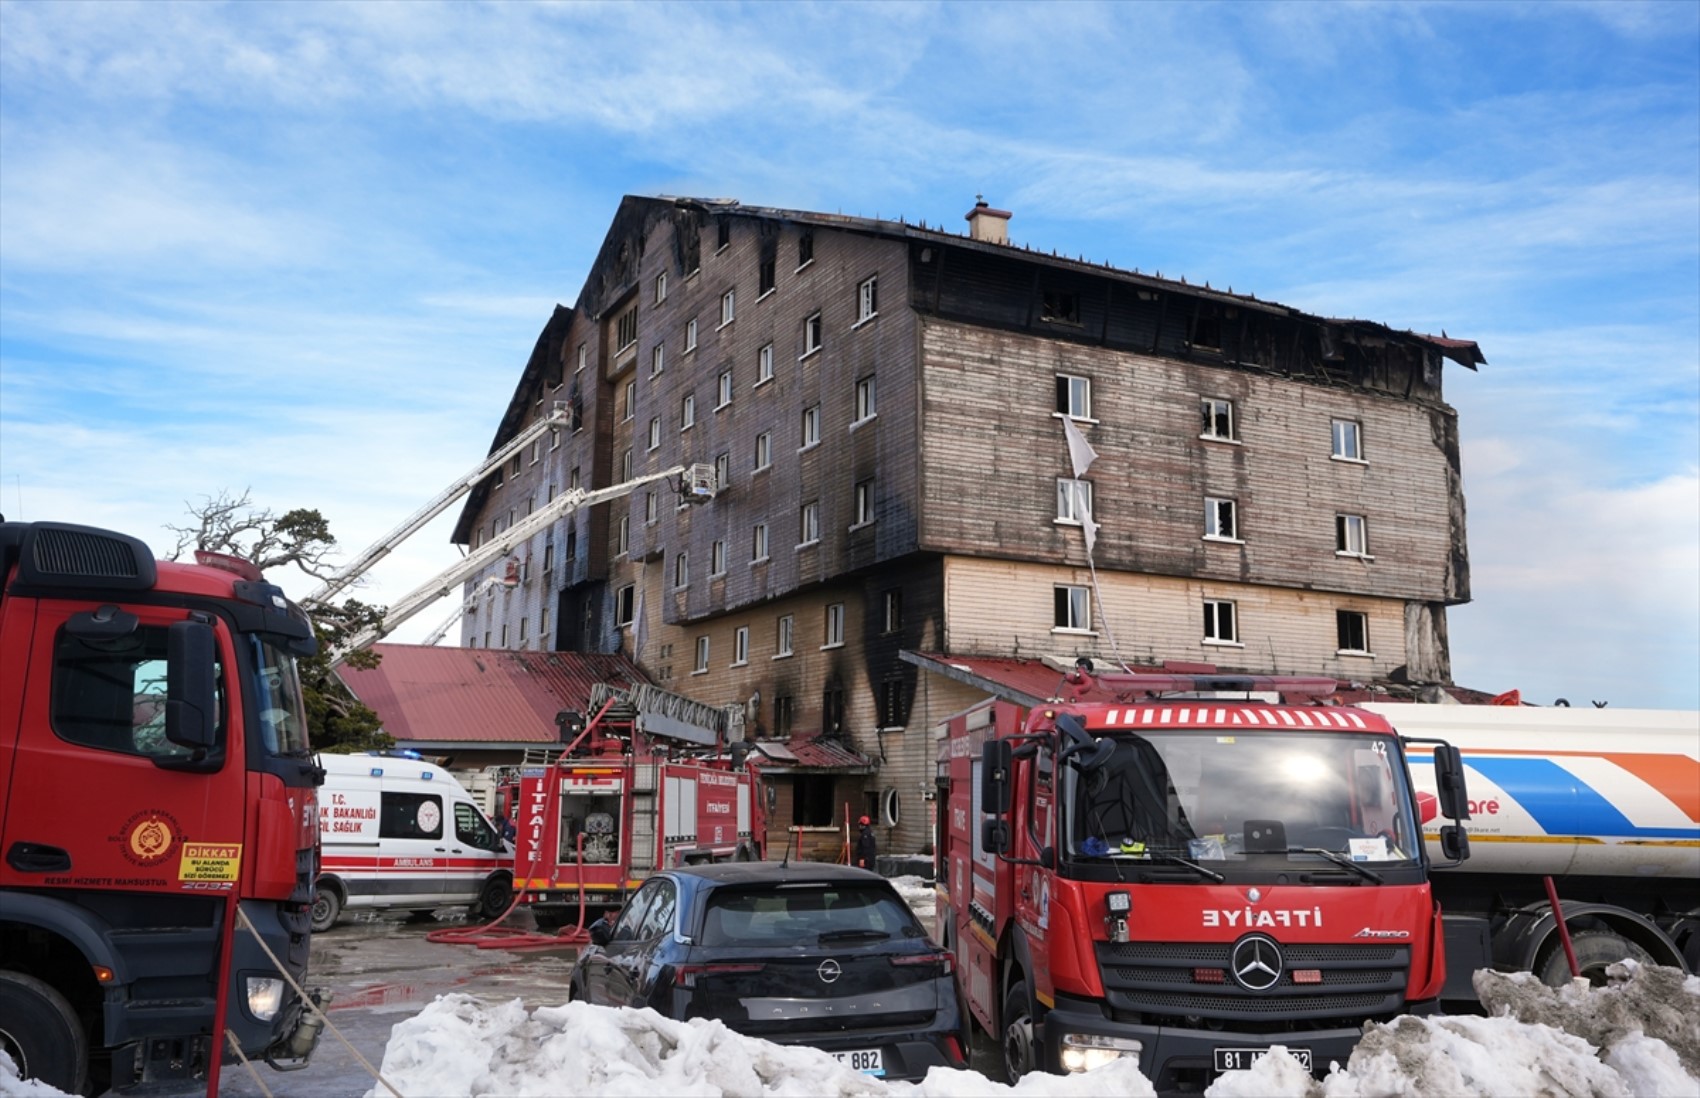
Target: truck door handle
{"type": "Point", "coordinates": [38, 858]}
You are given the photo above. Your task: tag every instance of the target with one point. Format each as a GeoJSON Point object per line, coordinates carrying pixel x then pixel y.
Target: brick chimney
{"type": "Point", "coordinates": [985, 223]}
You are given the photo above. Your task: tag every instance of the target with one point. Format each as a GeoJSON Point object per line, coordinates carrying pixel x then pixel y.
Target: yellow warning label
{"type": "Point", "coordinates": [210, 861]}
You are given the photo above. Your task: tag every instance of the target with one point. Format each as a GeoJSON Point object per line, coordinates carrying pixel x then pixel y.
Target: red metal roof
{"type": "Point", "coordinates": [811, 753]}
{"type": "Point", "coordinates": [480, 695]}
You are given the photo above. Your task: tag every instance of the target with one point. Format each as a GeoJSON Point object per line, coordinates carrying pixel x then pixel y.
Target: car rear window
{"type": "Point", "coordinates": [791, 914]}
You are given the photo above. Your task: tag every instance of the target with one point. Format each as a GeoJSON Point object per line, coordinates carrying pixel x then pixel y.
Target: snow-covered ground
{"type": "Point", "coordinates": [1638, 1037]}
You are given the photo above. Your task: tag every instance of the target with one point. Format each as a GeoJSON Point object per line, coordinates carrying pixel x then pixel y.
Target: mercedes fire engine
{"type": "Point", "coordinates": [1188, 881]}
{"type": "Point", "coordinates": [157, 792]}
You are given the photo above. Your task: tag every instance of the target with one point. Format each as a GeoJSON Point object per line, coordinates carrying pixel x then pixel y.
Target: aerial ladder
{"type": "Point", "coordinates": [696, 483]}
{"type": "Point", "coordinates": [558, 417]}
{"type": "Point", "coordinates": [508, 580]}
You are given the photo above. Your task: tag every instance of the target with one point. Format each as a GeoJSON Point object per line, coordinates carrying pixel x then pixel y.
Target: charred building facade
{"type": "Point", "coordinates": [882, 405]}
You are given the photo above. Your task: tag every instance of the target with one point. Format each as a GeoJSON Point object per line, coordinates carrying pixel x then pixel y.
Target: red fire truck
{"type": "Point", "coordinates": [635, 792]}
{"type": "Point", "coordinates": [157, 791]}
{"type": "Point", "coordinates": [1187, 880]}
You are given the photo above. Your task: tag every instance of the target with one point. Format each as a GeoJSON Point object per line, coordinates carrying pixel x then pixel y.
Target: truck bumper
{"type": "Point", "coordinates": [1178, 1059]}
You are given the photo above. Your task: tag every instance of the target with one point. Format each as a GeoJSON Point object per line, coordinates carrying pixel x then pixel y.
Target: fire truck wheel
{"type": "Point", "coordinates": [1596, 951]}
{"type": "Point", "coordinates": [1017, 1018]}
{"type": "Point", "coordinates": [327, 905]}
{"type": "Point", "coordinates": [40, 1031]}
{"type": "Point", "coordinates": [494, 899]}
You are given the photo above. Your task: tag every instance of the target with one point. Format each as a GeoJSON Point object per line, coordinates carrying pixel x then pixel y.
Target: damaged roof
{"type": "Point", "coordinates": [456, 696]}
{"type": "Point", "coordinates": [811, 753]}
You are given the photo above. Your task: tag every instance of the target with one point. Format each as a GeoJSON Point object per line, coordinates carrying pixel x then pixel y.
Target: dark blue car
{"type": "Point", "coordinates": [806, 954]}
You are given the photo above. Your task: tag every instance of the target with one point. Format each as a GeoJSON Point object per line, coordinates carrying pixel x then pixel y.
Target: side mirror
{"type": "Point", "coordinates": [994, 836]}
{"type": "Point", "coordinates": [1048, 858]}
{"type": "Point", "coordinates": [1454, 843]}
{"type": "Point", "coordinates": [600, 934]}
{"type": "Point", "coordinates": [995, 761]}
{"type": "Point", "coordinates": [1449, 782]}
{"type": "Point", "coordinates": [191, 687]}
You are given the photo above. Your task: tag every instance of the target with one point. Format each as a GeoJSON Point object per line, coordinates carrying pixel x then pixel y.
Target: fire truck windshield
{"type": "Point", "coordinates": [277, 698]}
{"type": "Point", "coordinates": [1211, 798]}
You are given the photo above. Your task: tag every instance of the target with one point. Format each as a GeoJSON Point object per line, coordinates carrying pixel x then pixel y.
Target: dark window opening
{"type": "Point", "coordinates": [1206, 331]}
{"type": "Point", "coordinates": [811, 800]}
{"type": "Point", "coordinates": [805, 249]}
{"type": "Point", "coordinates": [891, 707]}
{"type": "Point", "coordinates": [832, 711]}
{"type": "Point", "coordinates": [894, 610]}
{"type": "Point", "coordinates": [723, 233]}
{"type": "Point", "coordinates": [1063, 308]}
{"type": "Point", "coordinates": [784, 715]}
{"type": "Point", "coordinates": [1353, 626]}
{"type": "Point", "coordinates": [767, 279]}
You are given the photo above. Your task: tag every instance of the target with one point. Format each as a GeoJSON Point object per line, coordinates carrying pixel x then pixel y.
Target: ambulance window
{"type": "Point", "coordinates": [472, 829]}
{"type": "Point", "coordinates": [410, 816]}
{"type": "Point", "coordinates": [109, 692]}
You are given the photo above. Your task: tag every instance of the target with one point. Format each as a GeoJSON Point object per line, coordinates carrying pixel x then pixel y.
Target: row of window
{"type": "Point", "coordinates": [784, 627]}
{"type": "Point", "coordinates": [522, 625]}
{"type": "Point", "coordinates": [867, 308]}
{"type": "Point", "coordinates": [1073, 614]}
{"type": "Point", "coordinates": [866, 407]}
{"type": "Point", "coordinates": [1221, 518]}
{"type": "Point", "coordinates": [1074, 400]}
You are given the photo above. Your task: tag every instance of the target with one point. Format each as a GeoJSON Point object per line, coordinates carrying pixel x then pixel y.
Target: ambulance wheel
{"type": "Point", "coordinates": [1017, 1018]}
{"type": "Point", "coordinates": [40, 1031]}
{"type": "Point", "coordinates": [1596, 951]}
{"type": "Point", "coordinates": [497, 894]}
{"type": "Point", "coordinates": [327, 905]}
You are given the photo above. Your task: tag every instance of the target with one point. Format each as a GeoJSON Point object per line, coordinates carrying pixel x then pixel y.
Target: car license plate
{"type": "Point", "coordinates": [1242, 1059]}
{"type": "Point", "coordinates": [868, 1061]}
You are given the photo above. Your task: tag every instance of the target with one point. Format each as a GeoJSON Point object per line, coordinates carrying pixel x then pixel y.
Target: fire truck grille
{"type": "Point", "coordinates": [1163, 978]}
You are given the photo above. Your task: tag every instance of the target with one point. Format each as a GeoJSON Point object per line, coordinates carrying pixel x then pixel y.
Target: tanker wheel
{"type": "Point", "coordinates": [494, 898]}
{"type": "Point", "coordinates": [41, 1033]}
{"type": "Point", "coordinates": [1018, 1052]}
{"type": "Point", "coordinates": [1596, 951]}
{"type": "Point", "coordinates": [327, 905]}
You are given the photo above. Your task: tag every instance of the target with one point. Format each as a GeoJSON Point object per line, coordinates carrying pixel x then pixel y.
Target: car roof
{"type": "Point", "coordinates": [774, 873]}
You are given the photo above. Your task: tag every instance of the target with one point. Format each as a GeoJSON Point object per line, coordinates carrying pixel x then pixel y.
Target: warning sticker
{"type": "Point", "coordinates": [210, 861]}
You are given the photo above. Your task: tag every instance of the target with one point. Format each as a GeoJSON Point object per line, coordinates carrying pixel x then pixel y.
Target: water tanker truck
{"type": "Point", "coordinates": [1606, 802]}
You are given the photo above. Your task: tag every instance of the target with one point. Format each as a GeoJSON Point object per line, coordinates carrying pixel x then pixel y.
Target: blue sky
{"type": "Point", "coordinates": [304, 249]}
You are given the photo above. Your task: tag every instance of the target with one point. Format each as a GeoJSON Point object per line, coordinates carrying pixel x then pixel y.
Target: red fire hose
{"type": "Point", "coordinates": [1563, 930]}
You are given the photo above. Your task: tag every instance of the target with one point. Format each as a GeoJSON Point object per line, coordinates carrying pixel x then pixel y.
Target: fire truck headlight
{"type": "Point", "coordinates": [1120, 903]}
{"type": "Point", "coordinates": [1085, 1051]}
{"type": "Point", "coordinates": [265, 995]}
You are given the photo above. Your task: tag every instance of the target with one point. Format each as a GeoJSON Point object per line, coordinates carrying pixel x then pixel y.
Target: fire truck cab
{"type": "Point", "coordinates": [1186, 880]}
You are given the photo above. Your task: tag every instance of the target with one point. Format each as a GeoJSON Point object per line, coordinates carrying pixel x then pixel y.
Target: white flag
{"type": "Point", "coordinates": [1080, 451]}
{"type": "Point", "coordinates": [639, 624]}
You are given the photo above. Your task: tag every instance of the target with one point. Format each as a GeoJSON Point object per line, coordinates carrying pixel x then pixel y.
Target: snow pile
{"type": "Point", "coordinates": [1543, 1041]}
{"type": "Point", "coordinates": [460, 1046]}
{"type": "Point", "coordinates": [918, 893]}
{"type": "Point", "coordinates": [13, 1087]}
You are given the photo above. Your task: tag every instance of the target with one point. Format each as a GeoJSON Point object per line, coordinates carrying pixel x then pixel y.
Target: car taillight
{"type": "Point", "coordinates": [945, 960]}
{"type": "Point", "coordinates": [953, 1047]}
{"type": "Point", "coordinates": [686, 975]}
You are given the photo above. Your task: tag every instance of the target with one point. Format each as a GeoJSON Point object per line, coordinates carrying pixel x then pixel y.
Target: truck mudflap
{"type": "Point", "coordinates": [1183, 1059]}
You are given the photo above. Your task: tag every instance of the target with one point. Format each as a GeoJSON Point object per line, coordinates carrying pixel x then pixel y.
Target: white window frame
{"type": "Point", "coordinates": [623, 536]}
{"type": "Point", "coordinates": [764, 451]}
{"type": "Point", "coordinates": [1074, 402]}
{"type": "Point", "coordinates": [764, 366]}
{"type": "Point", "coordinates": [688, 412]}
{"type": "Point", "coordinates": [631, 400]}
{"type": "Point", "coordinates": [783, 630]}
{"type": "Point", "coordinates": [810, 428]}
{"type": "Point", "coordinates": [723, 470]}
{"type": "Point", "coordinates": [625, 465]}
{"type": "Point", "coordinates": [654, 432]}
{"type": "Point", "coordinates": [741, 646]}
{"type": "Point", "coordinates": [867, 301]}
{"type": "Point", "coordinates": [681, 570]}
{"type": "Point", "coordinates": [701, 667]}
{"type": "Point", "coordinates": [867, 401]}
{"type": "Point", "coordinates": [1346, 441]}
{"type": "Point", "coordinates": [1363, 618]}
{"type": "Point", "coordinates": [1070, 493]}
{"type": "Point", "coordinates": [1077, 617]}
{"type": "Point", "coordinates": [812, 337]}
{"type": "Point", "coordinates": [626, 593]}
{"type": "Point", "coordinates": [1222, 519]}
{"type": "Point", "coordinates": [583, 357]}
{"type": "Point", "coordinates": [758, 543]}
{"type": "Point", "coordinates": [1215, 409]}
{"type": "Point", "coordinates": [808, 524]}
{"type": "Point", "coordinates": [554, 438]}
{"type": "Point", "coordinates": [690, 335]}
{"type": "Point", "coordinates": [657, 359]}
{"type": "Point", "coordinates": [1214, 620]}
{"type": "Point", "coordinates": [717, 558]}
{"type": "Point", "coordinates": [1351, 536]}
{"type": "Point", "coordinates": [862, 504]}
{"type": "Point", "coordinates": [728, 307]}
{"type": "Point", "coordinates": [661, 287]}
{"type": "Point", "coordinates": [834, 633]}
{"type": "Point", "coordinates": [723, 389]}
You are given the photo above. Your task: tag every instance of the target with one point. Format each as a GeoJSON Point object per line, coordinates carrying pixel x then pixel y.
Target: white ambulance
{"type": "Point", "coordinates": [399, 832]}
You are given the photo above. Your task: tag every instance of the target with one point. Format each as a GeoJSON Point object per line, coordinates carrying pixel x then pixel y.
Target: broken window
{"type": "Point", "coordinates": [805, 250]}
{"type": "Point", "coordinates": [1205, 330]}
{"type": "Point", "coordinates": [1219, 624]}
{"type": "Point", "coordinates": [1218, 418]}
{"type": "Point", "coordinates": [1074, 396]}
{"type": "Point", "coordinates": [1353, 627]}
{"type": "Point", "coordinates": [1059, 307]}
{"type": "Point", "coordinates": [1220, 519]}
{"type": "Point", "coordinates": [765, 279]}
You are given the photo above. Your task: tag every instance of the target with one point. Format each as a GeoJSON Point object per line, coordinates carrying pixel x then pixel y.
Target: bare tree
{"type": "Point", "coordinates": [232, 524]}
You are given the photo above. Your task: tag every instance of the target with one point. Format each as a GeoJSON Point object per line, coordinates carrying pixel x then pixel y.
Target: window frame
{"type": "Point", "coordinates": [764, 365]}
{"type": "Point", "coordinates": [1350, 439]}
{"type": "Point", "coordinates": [1222, 520]}
{"type": "Point", "coordinates": [813, 335]}
{"type": "Point", "coordinates": [1065, 397]}
{"type": "Point", "coordinates": [862, 504]}
{"type": "Point", "coordinates": [690, 335]}
{"type": "Point", "coordinates": [1341, 616]}
{"type": "Point", "coordinates": [833, 626]}
{"type": "Point", "coordinates": [654, 437]}
{"type": "Point", "coordinates": [1212, 415]}
{"type": "Point", "coordinates": [625, 605]}
{"type": "Point", "coordinates": [702, 656]}
{"type": "Point", "coordinates": [759, 543]}
{"type": "Point", "coordinates": [1347, 529]}
{"type": "Point", "coordinates": [1073, 616]}
{"type": "Point", "coordinates": [1068, 496]}
{"type": "Point", "coordinates": [728, 307]}
{"type": "Point", "coordinates": [661, 287]}
{"type": "Point", "coordinates": [687, 412]}
{"type": "Point", "coordinates": [808, 524]}
{"type": "Point", "coordinates": [717, 558]}
{"type": "Point", "coordinates": [740, 646]}
{"type": "Point", "coordinates": [723, 389]}
{"type": "Point", "coordinates": [784, 634]}
{"type": "Point", "coordinates": [1213, 623]}
{"type": "Point", "coordinates": [764, 451]}
{"type": "Point", "coordinates": [867, 300]}
{"type": "Point", "coordinates": [681, 569]}
{"type": "Point", "coordinates": [810, 428]}
{"type": "Point", "coordinates": [866, 400]}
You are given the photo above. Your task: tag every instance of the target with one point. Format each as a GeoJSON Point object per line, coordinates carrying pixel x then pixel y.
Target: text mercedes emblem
{"type": "Point", "coordinates": [1257, 962]}
{"type": "Point", "coordinates": [829, 970]}
{"type": "Point", "coordinates": [1253, 895]}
